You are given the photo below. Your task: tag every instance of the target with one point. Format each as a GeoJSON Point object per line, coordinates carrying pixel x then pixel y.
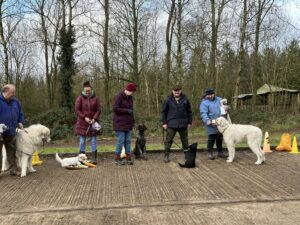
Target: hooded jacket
{"type": "Point", "coordinates": [210, 110]}
{"type": "Point", "coordinates": [177, 114]}
{"type": "Point", "coordinates": [10, 114]}
{"type": "Point", "coordinates": [86, 107]}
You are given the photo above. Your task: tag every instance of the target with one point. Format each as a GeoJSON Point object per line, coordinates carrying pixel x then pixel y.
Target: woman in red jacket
{"type": "Point", "coordinates": [87, 108]}
{"type": "Point", "coordinates": [123, 122]}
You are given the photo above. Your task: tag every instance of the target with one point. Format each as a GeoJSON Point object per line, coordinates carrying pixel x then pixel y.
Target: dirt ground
{"type": "Point", "coordinates": [153, 192]}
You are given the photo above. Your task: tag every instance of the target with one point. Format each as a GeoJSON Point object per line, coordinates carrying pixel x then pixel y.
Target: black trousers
{"type": "Point", "coordinates": [170, 134]}
{"type": "Point", "coordinates": [10, 144]}
{"type": "Point", "coordinates": [212, 138]}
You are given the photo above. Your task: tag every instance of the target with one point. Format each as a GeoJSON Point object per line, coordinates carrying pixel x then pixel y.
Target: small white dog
{"type": "Point", "coordinates": [28, 140]}
{"type": "Point", "coordinates": [236, 133]}
{"type": "Point", "coordinates": [72, 161]}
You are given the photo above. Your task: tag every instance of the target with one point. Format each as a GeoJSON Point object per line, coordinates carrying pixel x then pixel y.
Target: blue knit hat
{"type": "Point", "coordinates": [209, 91]}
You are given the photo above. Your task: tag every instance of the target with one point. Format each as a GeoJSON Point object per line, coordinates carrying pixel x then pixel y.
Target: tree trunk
{"type": "Point", "coordinates": [105, 55]}
{"type": "Point", "coordinates": [169, 35]}
{"type": "Point", "coordinates": [241, 55]}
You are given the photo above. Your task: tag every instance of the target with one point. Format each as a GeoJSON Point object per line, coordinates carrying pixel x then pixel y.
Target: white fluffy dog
{"type": "Point", "coordinates": [236, 133]}
{"type": "Point", "coordinates": [72, 161]}
{"type": "Point", "coordinates": [28, 140]}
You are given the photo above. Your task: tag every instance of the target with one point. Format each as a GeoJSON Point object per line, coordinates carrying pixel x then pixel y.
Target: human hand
{"type": "Point", "coordinates": [87, 120]}
{"type": "Point", "coordinates": [208, 122]}
{"type": "Point", "coordinates": [165, 126]}
{"type": "Point", "coordinates": [20, 125]}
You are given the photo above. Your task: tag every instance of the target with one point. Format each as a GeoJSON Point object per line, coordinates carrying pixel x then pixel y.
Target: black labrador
{"type": "Point", "coordinates": [190, 156]}
{"type": "Point", "coordinates": [140, 145]}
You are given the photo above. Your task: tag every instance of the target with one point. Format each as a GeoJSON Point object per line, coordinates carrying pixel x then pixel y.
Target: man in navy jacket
{"type": "Point", "coordinates": [176, 117]}
{"type": "Point", "coordinates": [12, 116]}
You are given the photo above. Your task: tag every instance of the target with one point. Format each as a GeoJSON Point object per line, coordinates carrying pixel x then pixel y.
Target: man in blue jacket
{"type": "Point", "coordinates": [176, 117]}
{"type": "Point", "coordinates": [12, 116]}
{"type": "Point", "coordinates": [210, 110]}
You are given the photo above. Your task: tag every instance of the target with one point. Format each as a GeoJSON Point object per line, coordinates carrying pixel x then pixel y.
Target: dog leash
{"type": "Point", "coordinates": [164, 130]}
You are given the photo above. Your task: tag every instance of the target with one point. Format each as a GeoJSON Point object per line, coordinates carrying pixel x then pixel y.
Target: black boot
{"type": "Point", "coordinates": [167, 157]}
{"type": "Point", "coordinates": [94, 157]}
{"type": "Point", "coordinates": [221, 155]}
{"type": "Point", "coordinates": [211, 154]}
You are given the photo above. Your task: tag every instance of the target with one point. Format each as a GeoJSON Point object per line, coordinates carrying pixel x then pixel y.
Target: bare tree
{"type": "Point", "coordinates": [241, 56]}
{"type": "Point", "coordinates": [47, 28]}
{"type": "Point", "coordinates": [129, 17]}
{"type": "Point", "coordinates": [262, 8]}
{"type": "Point", "coordinates": [216, 13]}
{"type": "Point", "coordinates": [10, 17]}
{"type": "Point", "coordinates": [179, 56]}
{"type": "Point", "coordinates": [169, 37]}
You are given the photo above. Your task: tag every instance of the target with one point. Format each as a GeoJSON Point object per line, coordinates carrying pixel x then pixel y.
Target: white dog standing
{"type": "Point", "coordinates": [28, 140]}
{"type": "Point", "coordinates": [236, 133]}
{"type": "Point", "coordinates": [72, 161]}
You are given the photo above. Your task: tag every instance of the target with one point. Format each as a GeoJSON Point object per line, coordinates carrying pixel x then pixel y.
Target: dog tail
{"type": "Point", "coordinates": [58, 159]}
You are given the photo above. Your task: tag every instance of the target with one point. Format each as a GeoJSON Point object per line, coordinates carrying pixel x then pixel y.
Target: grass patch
{"type": "Point", "coordinates": [273, 138]}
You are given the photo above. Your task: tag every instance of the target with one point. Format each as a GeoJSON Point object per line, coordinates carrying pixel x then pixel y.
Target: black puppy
{"type": "Point", "coordinates": [140, 145]}
{"type": "Point", "coordinates": [190, 156]}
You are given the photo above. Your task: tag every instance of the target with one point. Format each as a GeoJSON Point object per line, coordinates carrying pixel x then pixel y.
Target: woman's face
{"type": "Point", "coordinates": [129, 93]}
{"type": "Point", "coordinates": [210, 97]}
{"type": "Point", "coordinates": [87, 90]}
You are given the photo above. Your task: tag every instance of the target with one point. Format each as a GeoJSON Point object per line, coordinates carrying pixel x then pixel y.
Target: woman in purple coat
{"type": "Point", "coordinates": [123, 122]}
{"type": "Point", "coordinates": [87, 108]}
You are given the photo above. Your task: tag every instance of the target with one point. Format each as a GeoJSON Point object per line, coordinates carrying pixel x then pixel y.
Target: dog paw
{"type": "Point", "coordinates": [229, 160]}
{"type": "Point", "coordinates": [31, 170]}
{"type": "Point", "coordinates": [23, 175]}
{"type": "Point", "coordinates": [258, 162]}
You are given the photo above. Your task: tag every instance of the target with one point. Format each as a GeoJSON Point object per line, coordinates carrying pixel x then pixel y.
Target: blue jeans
{"type": "Point", "coordinates": [123, 139]}
{"type": "Point", "coordinates": [82, 145]}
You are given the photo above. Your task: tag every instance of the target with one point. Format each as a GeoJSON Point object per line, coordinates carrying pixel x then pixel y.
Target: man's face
{"type": "Point", "coordinates": [10, 94]}
{"type": "Point", "coordinates": [176, 93]}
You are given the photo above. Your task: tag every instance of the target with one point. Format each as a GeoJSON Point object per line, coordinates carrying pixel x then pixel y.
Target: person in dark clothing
{"type": "Point", "coordinates": [87, 108]}
{"type": "Point", "coordinates": [12, 116]}
{"type": "Point", "coordinates": [176, 117]}
{"type": "Point", "coordinates": [123, 122]}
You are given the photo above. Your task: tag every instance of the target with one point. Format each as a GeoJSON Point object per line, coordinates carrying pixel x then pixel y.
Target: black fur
{"type": "Point", "coordinates": [190, 156]}
{"type": "Point", "coordinates": [140, 145]}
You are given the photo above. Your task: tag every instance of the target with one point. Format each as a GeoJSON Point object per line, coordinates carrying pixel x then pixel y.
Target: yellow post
{"type": "Point", "coordinates": [35, 159]}
{"type": "Point", "coordinates": [294, 146]}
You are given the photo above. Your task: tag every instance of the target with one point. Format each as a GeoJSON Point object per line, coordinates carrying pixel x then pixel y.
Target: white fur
{"type": "Point", "coordinates": [72, 161]}
{"type": "Point", "coordinates": [27, 141]}
{"type": "Point", "coordinates": [3, 127]}
{"type": "Point", "coordinates": [236, 133]}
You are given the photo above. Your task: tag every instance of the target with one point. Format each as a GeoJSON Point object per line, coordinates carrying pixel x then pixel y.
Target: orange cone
{"type": "Point", "coordinates": [294, 146]}
{"type": "Point", "coordinates": [266, 147]}
{"type": "Point", "coordinates": [285, 143]}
